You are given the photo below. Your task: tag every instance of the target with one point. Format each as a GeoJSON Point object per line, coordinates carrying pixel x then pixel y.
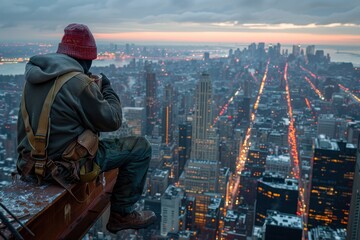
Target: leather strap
{"type": "Point", "coordinates": [39, 141]}
{"type": "Point", "coordinates": [43, 125]}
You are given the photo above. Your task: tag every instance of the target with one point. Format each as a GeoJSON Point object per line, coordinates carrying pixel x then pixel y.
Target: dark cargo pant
{"type": "Point", "coordinates": [132, 156]}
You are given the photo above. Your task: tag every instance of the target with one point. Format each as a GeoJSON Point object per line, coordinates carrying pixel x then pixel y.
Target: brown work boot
{"type": "Point", "coordinates": [133, 220]}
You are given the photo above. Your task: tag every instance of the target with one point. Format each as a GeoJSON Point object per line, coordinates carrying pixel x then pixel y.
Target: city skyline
{"type": "Point", "coordinates": [305, 22]}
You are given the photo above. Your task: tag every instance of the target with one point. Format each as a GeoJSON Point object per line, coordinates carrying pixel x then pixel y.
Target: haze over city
{"type": "Point", "coordinates": [189, 21]}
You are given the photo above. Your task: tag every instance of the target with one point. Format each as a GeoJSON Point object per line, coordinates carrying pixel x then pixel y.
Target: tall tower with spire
{"type": "Point", "coordinates": [200, 177]}
{"type": "Point", "coordinates": [204, 142]}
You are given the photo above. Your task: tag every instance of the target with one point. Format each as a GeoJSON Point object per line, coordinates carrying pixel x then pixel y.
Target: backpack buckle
{"type": "Point", "coordinates": [38, 155]}
{"type": "Point", "coordinates": [40, 168]}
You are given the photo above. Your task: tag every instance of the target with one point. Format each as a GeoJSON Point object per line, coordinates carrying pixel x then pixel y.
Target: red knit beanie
{"type": "Point", "coordinates": [78, 42]}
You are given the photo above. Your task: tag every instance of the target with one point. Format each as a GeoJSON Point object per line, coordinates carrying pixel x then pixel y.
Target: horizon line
{"type": "Point", "coordinates": [196, 38]}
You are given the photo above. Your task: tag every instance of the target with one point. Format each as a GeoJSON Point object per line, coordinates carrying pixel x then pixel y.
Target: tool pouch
{"type": "Point", "coordinates": [85, 146]}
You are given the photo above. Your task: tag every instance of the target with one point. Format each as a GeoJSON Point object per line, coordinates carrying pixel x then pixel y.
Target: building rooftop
{"type": "Point", "coordinates": [326, 233]}
{"type": "Point", "coordinates": [286, 121]}
{"type": "Point", "coordinates": [214, 203]}
{"type": "Point", "coordinates": [275, 218]}
{"type": "Point", "coordinates": [350, 145]}
{"type": "Point", "coordinates": [214, 207]}
{"type": "Point", "coordinates": [278, 158]}
{"type": "Point", "coordinates": [257, 232]}
{"type": "Point", "coordinates": [161, 173]}
{"type": "Point", "coordinates": [172, 192]}
{"type": "Point", "coordinates": [273, 175]}
{"type": "Point", "coordinates": [323, 142]}
{"type": "Point", "coordinates": [280, 183]}
{"type": "Point", "coordinates": [230, 214]}
{"type": "Point", "coordinates": [326, 144]}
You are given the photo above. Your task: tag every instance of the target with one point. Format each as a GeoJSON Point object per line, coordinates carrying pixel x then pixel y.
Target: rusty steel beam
{"type": "Point", "coordinates": [61, 216]}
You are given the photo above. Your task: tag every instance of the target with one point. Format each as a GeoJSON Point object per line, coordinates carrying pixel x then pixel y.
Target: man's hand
{"type": "Point", "coordinates": [105, 81]}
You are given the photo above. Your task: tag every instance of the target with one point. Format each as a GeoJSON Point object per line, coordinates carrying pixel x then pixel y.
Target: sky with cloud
{"type": "Point", "coordinates": [305, 21]}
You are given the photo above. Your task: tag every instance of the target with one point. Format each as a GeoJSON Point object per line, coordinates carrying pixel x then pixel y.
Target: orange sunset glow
{"type": "Point", "coordinates": [231, 37]}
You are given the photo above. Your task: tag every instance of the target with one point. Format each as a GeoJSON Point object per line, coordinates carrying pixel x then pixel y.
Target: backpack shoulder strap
{"type": "Point", "coordinates": [39, 141]}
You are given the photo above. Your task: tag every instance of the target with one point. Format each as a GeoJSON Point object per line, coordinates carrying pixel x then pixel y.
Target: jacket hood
{"type": "Point", "coordinates": [43, 68]}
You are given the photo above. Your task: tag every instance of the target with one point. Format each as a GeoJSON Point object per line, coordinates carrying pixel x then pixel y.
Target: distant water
{"type": "Point", "coordinates": [104, 63]}
{"type": "Point", "coordinates": [342, 53]}
{"type": "Point", "coordinates": [346, 56]}
{"type": "Point", "coordinates": [19, 68]}
{"type": "Point", "coordinates": [337, 54]}
{"type": "Point", "coordinates": [12, 68]}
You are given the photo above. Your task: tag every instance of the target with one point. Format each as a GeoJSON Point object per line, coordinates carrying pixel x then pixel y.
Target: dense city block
{"type": "Point", "coordinates": [250, 142]}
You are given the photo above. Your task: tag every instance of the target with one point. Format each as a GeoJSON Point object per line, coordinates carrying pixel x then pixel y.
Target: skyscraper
{"type": "Point", "coordinates": [279, 163]}
{"type": "Point", "coordinates": [151, 100]}
{"type": "Point", "coordinates": [327, 125]}
{"type": "Point", "coordinates": [261, 50]}
{"type": "Point", "coordinates": [254, 168]}
{"type": "Point", "coordinates": [185, 130]}
{"type": "Point", "coordinates": [158, 181]}
{"type": "Point", "coordinates": [353, 229]}
{"type": "Point", "coordinates": [190, 205]}
{"type": "Point", "coordinates": [212, 219]}
{"type": "Point", "coordinates": [333, 167]}
{"type": "Point", "coordinates": [227, 154]}
{"type": "Point", "coordinates": [168, 115]}
{"type": "Point", "coordinates": [280, 226]}
{"type": "Point", "coordinates": [201, 176]}
{"type": "Point", "coordinates": [310, 50]}
{"type": "Point", "coordinates": [170, 210]}
{"type": "Point", "coordinates": [234, 226]}
{"type": "Point", "coordinates": [157, 154]}
{"type": "Point", "coordinates": [243, 111]}
{"type": "Point", "coordinates": [206, 56]}
{"type": "Point", "coordinates": [296, 50]}
{"type": "Point", "coordinates": [202, 169]}
{"type": "Point", "coordinates": [170, 161]}
{"type": "Point", "coordinates": [204, 144]}
{"type": "Point", "coordinates": [274, 192]}
{"type": "Point", "coordinates": [135, 117]}
{"type": "Point", "coordinates": [223, 182]}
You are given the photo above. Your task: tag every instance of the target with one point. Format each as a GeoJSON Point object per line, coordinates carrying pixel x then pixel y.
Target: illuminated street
{"type": "Point", "coordinates": [294, 147]}
{"type": "Point", "coordinates": [246, 144]}
{"type": "Point", "coordinates": [347, 91]}
{"type": "Point", "coordinates": [309, 72]}
{"type": "Point", "coordinates": [317, 91]}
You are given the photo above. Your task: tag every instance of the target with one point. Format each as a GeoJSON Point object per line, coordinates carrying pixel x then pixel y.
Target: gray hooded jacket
{"type": "Point", "coordinates": [79, 104]}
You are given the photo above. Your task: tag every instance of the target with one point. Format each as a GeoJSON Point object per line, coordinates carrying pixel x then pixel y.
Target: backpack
{"type": "Point", "coordinates": [78, 157]}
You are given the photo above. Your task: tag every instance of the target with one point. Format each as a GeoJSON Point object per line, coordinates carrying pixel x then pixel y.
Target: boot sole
{"type": "Point", "coordinates": [135, 227]}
